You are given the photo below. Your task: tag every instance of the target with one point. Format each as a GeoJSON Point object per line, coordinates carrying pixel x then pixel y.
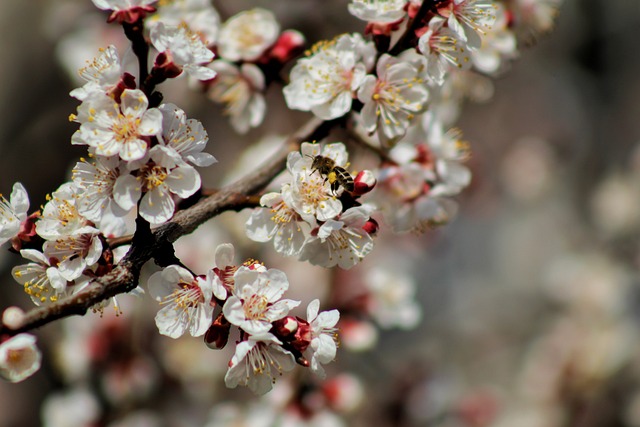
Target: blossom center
{"type": "Point", "coordinates": [125, 128]}
{"type": "Point", "coordinates": [153, 175]}
{"type": "Point", "coordinates": [255, 306]}
{"type": "Point", "coordinates": [187, 295]}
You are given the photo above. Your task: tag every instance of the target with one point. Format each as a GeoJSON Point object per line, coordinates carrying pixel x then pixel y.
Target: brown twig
{"type": "Point", "coordinates": [151, 243]}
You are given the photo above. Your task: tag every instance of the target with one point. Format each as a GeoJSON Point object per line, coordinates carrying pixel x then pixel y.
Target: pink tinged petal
{"type": "Point", "coordinates": [159, 287]}
{"type": "Point", "coordinates": [274, 285]}
{"type": "Point", "coordinates": [201, 320]}
{"type": "Point", "coordinates": [280, 309]}
{"type": "Point", "coordinates": [224, 255]}
{"type": "Point", "coordinates": [325, 348]}
{"type": "Point", "coordinates": [206, 287]}
{"type": "Point", "coordinates": [255, 327]}
{"type": "Point", "coordinates": [236, 375]}
{"type": "Point", "coordinates": [329, 228]}
{"type": "Point", "coordinates": [254, 75]}
{"type": "Point", "coordinates": [260, 227]}
{"type": "Point", "coordinates": [105, 144]}
{"type": "Point", "coordinates": [171, 322]}
{"type": "Point", "coordinates": [157, 206]}
{"type": "Point", "coordinates": [176, 274]}
{"type": "Point", "coordinates": [183, 181]}
{"type": "Point", "coordinates": [56, 280]}
{"type": "Point", "coordinates": [126, 191]}
{"type": "Point", "coordinates": [201, 159]}
{"type": "Point", "coordinates": [199, 72]}
{"type": "Point", "coordinates": [34, 255]}
{"type": "Point", "coordinates": [72, 268]}
{"type": "Point", "coordinates": [233, 310]}
{"type": "Point", "coordinates": [312, 310]}
{"type": "Point", "coordinates": [244, 276]}
{"type": "Point", "coordinates": [94, 252]}
{"type": "Point", "coordinates": [369, 116]}
{"type": "Point", "coordinates": [328, 209]}
{"type": "Point", "coordinates": [134, 103]}
{"type": "Point", "coordinates": [315, 252]}
{"type": "Point", "coordinates": [219, 291]}
{"type": "Point", "coordinates": [133, 149]}
{"type": "Point", "coordinates": [337, 107]}
{"type": "Point", "coordinates": [151, 123]}
{"type": "Point", "coordinates": [19, 200]}
{"type": "Point", "coordinates": [327, 319]}
{"type": "Point", "coordinates": [289, 240]}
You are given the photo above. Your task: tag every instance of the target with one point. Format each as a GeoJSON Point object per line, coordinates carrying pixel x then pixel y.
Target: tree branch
{"type": "Point", "coordinates": [124, 277]}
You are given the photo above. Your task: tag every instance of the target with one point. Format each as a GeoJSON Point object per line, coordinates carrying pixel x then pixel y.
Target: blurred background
{"type": "Point", "coordinates": [530, 305]}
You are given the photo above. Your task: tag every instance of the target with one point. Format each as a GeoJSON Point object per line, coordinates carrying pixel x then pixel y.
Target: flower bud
{"type": "Point", "coordinates": [289, 45]}
{"type": "Point", "coordinates": [164, 67]}
{"type": "Point", "coordinates": [13, 317]}
{"type": "Point", "coordinates": [285, 328]}
{"type": "Point", "coordinates": [363, 182]}
{"type": "Point", "coordinates": [371, 227]}
{"type": "Point", "coordinates": [217, 335]}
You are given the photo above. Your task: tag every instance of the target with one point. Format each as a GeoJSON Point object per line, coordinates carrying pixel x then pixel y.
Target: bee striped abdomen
{"type": "Point", "coordinates": [336, 175]}
{"type": "Point", "coordinates": [342, 177]}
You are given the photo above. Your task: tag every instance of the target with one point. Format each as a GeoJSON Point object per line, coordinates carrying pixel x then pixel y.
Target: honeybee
{"type": "Point", "coordinates": [336, 175]}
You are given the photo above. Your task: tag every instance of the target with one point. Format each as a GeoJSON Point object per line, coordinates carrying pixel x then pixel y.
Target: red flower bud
{"type": "Point", "coordinates": [371, 227]}
{"type": "Point", "coordinates": [364, 182]}
{"type": "Point", "coordinates": [289, 45]}
{"type": "Point", "coordinates": [217, 335]}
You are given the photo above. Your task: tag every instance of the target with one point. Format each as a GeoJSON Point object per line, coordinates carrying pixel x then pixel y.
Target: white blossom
{"type": "Point", "coordinates": [539, 15]}
{"type": "Point", "coordinates": [19, 358]}
{"type": "Point", "coordinates": [256, 363]}
{"type": "Point", "coordinates": [164, 175]}
{"type": "Point", "coordinates": [41, 280]}
{"type": "Point", "coordinates": [312, 197]}
{"type": "Point", "coordinates": [382, 11]}
{"type": "Point", "coordinates": [13, 212]}
{"type": "Point", "coordinates": [77, 407]}
{"type": "Point", "coordinates": [60, 217]}
{"type": "Point", "coordinates": [247, 35]}
{"type": "Point", "coordinates": [342, 242]}
{"type": "Point", "coordinates": [96, 183]}
{"type": "Point", "coordinates": [324, 82]}
{"type": "Point", "coordinates": [278, 221]}
{"type": "Point", "coordinates": [113, 129]}
{"type": "Point", "coordinates": [256, 302]}
{"type": "Point", "coordinates": [498, 43]}
{"type": "Point", "coordinates": [392, 100]}
{"type": "Point", "coordinates": [224, 270]}
{"type": "Point", "coordinates": [403, 196]}
{"type": "Point", "coordinates": [323, 330]}
{"type": "Point", "coordinates": [186, 300]}
{"type": "Point", "coordinates": [444, 49]}
{"type": "Point", "coordinates": [184, 48]}
{"type": "Point", "coordinates": [74, 253]}
{"type": "Point", "coordinates": [470, 19]}
{"type": "Point", "coordinates": [240, 89]}
{"type": "Point", "coordinates": [391, 300]}
{"type": "Point", "coordinates": [186, 136]}
{"type": "Point", "coordinates": [101, 74]}
{"type": "Point", "coordinates": [449, 150]}
{"type": "Point", "coordinates": [199, 16]}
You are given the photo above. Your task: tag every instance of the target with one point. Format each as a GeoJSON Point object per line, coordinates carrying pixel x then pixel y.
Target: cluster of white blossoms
{"type": "Point", "coordinates": [398, 95]}
{"type": "Point", "coordinates": [314, 217]}
{"type": "Point", "coordinates": [248, 297]}
{"type": "Point", "coordinates": [141, 161]}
